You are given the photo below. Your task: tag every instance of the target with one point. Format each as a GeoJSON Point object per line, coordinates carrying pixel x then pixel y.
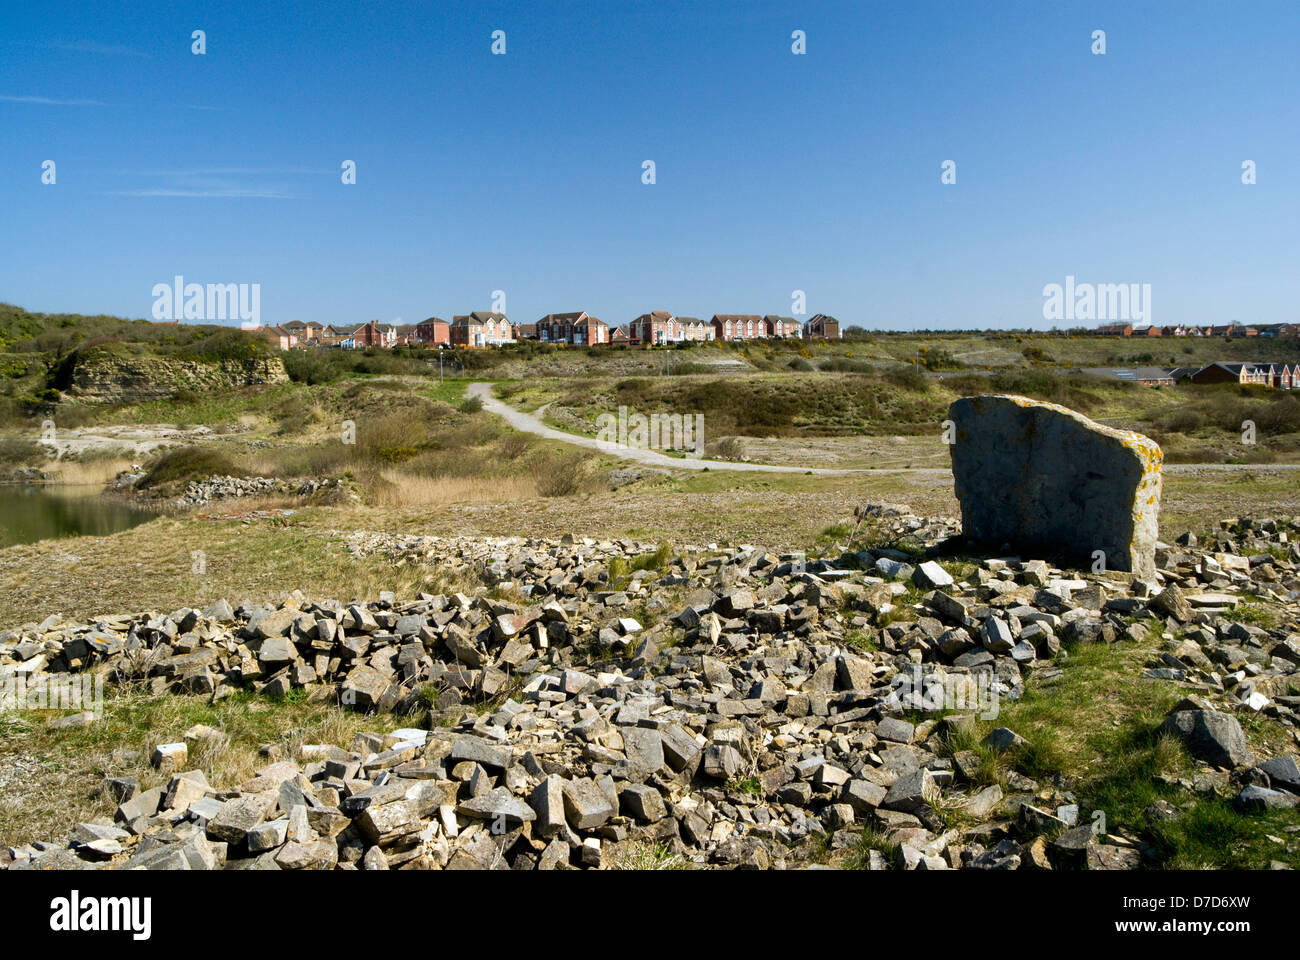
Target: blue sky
{"type": "Point", "coordinates": [775, 172]}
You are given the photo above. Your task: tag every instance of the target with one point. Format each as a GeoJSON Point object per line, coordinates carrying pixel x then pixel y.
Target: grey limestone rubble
{"type": "Point", "coordinates": [730, 707]}
{"type": "Point", "coordinates": [1036, 475]}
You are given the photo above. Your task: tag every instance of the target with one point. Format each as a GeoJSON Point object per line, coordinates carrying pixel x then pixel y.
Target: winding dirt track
{"type": "Point", "coordinates": [529, 423]}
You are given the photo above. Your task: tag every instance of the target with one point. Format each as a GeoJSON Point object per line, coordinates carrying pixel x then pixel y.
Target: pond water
{"type": "Point", "coordinates": [31, 512]}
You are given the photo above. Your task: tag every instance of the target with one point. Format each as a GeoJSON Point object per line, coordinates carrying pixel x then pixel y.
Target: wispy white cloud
{"type": "Point", "coordinates": [258, 183]}
{"type": "Point", "coordinates": [224, 172]}
{"type": "Point", "coordinates": [50, 101]}
{"type": "Point", "coordinates": [253, 193]}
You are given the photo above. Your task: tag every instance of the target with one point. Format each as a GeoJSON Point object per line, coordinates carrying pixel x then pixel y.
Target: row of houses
{"type": "Point", "coordinates": [1283, 376]}
{"type": "Point", "coordinates": [1233, 330]}
{"type": "Point", "coordinates": [484, 328]}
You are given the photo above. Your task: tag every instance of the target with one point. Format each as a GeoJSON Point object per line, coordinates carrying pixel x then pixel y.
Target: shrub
{"type": "Point", "coordinates": [560, 474]}
{"type": "Point", "coordinates": [909, 378]}
{"type": "Point", "coordinates": [845, 365]}
{"type": "Point", "coordinates": [1183, 421]}
{"type": "Point", "coordinates": [728, 448]}
{"type": "Point", "coordinates": [187, 463]}
{"type": "Point", "coordinates": [515, 445]}
{"type": "Point", "coordinates": [16, 452]}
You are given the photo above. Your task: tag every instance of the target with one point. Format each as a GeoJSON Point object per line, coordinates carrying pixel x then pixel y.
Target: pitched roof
{"type": "Point", "coordinates": [1143, 373]}
{"type": "Point", "coordinates": [478, 316]}
{"type": "Point", "coordinates": [581, 317]}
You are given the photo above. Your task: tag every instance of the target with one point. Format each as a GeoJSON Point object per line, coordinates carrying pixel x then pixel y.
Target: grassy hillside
{"type": "Point", "coordinates": [39, 350]}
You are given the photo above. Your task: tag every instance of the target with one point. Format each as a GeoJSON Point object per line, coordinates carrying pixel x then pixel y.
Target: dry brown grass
{"type": "Point", "coordinates": [91, 472]}
{"type": "Point", "coordinates": [220, 509]}
{"type": "Point", "coordinates": [397, 488]}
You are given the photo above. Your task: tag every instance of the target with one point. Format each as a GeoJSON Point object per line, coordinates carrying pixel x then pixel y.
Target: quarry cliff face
{"type": "Point", "coordinates": [106, 378]}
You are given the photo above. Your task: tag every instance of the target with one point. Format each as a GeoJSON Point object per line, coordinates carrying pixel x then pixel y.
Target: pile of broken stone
{"type": "Point", "coordinates": [756, 718]}
{"type": "Point", "coordinates": [200, 492]}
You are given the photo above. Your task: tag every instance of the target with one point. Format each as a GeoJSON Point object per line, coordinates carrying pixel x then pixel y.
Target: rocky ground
{"type": "Point", "coordinates": [604, 703]}
{"type": "Point", "coordinates": [129, 440]}
{"type": "Point", "coordinates": [217, 488]}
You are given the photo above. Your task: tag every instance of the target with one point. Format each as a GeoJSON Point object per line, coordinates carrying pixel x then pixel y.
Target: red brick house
{"type": "Point", "coordinates": [579, 329]}
{"type": "Point", "coordinates": [371, 334]}
{"type": "Point", "coordinates": [822, 327]}
{"type": "Point", "coordinates": [660, 327]}
{"type": "Point", "coordinates": [782, 326]}
{"type": "Point", "coordinates": [304, 332]}
{"type": "Point", "coordinates": [434, 331]}
{"type": "Point", "coordinates": [482, 328]}
{"type": "Point", "coordinates": [738, 326]}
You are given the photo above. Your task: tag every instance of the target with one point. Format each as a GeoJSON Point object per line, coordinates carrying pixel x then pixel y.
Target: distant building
{"type": "Point", "coordinates": [1146, 376]}
{"type": "Point", "coordinates": [661, 327]}
{"type": "Point", "coordinates": [782, 326]}
{"type": "Point", "coordinates": [1232, 330]}
{"type": "Point", "coordinates": [371, 334]}
{"type": "Point", "coordinates": [434, 331]}
{"type": "Point", "coordinates": [1247, 374]}
{"type": "Point", "coordinates": [306, 332]}
{"type": "Point", "coordinates": [1115, 330]}
{"type": "Point", "coordinates": [482, 328]}
{"type": "Point", "coordinates": [579, 329]}
{"type": "Point", "coordinates": [822, 327]}
{"type": "Point", "coordinates": [279, 337]}
{"type": "Point", "coordinates": [738, 326]}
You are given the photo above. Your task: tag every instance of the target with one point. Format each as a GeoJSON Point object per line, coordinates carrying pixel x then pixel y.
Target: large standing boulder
{"type": "Point", "coordinates": [1040, 476]}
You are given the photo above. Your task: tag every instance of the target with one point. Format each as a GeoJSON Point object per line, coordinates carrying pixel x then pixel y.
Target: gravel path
{"type": "Point", "coordinates": [529, 423]}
